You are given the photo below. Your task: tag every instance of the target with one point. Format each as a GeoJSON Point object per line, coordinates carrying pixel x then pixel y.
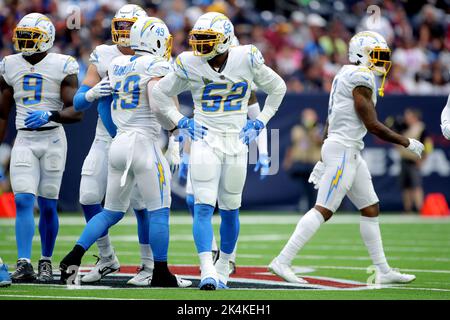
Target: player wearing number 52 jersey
{"type": "Point", "coordinates": [219, 77]}
{"type": "Point", "coordinates": [135, 156]}
{"type": "Point", "coordinates": [42, 85]}
{"type": "Point", "coordinates": [342, 171]}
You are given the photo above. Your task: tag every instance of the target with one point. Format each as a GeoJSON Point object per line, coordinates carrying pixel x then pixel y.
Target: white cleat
{"type": "Point", "coordinates": [223, 270]}
{"type": "Point", "coordinates": [143, 277]}
{"type": "Point", "coordinates": [284, 271]}
{"type": "Point", "coordinates": [393, 276]}
{"type": "Point", "coordinates": [183, 283]}
{"type": "Point", "coordinates": [103, 267]}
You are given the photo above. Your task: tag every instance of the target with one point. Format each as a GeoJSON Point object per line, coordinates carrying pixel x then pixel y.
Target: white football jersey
{"type": "Point", "coordinates": [101, 57]}
{"type": "Point", "coordinates": [221, 97]}
{"type": "Point", "coordinates": [129, 76]}
{"type": "Point", "coordinates": [37, 87]}
{"type": "Point", "coordinates": [344, 124]}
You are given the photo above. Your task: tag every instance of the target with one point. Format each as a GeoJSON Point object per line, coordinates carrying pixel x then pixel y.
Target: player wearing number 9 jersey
{"type": "Point", "coordinates": [219, 77]}
{"type": "Point", "coordinates": [42, 85]}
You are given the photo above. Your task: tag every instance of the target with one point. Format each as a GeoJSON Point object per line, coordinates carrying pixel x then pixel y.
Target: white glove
{"type": "Point", "coordinates": [101, 89]}
{"type": "Point", "coordinates": [317, 174]}
{"type": "Point", "coordinates": [446, 131]}
{"type": "Point", "coordinates": [173, 154]}
{"type": "Point", "coordinates": [415, 147]}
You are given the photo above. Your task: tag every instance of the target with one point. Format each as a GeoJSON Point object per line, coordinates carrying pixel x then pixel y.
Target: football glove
{"type": "Point", "coordinates": [415, 147]}
{"type": "Point", "coordinates": [192, 128]}
{"type": "Point", "coordinates": [173, 154]}
{"type": "Point", "coordinates": [263, 164]}
{"type": "Point", "coordinates": [37, 119]}
{"type": "Point", "coordinates": [317, 174]}
{"type": "Point", "coordinates": [446, 131]}
{"type": "Point", "coordinates": [101, 89]}
{"type": "Point", "coordinates": [251, 131]}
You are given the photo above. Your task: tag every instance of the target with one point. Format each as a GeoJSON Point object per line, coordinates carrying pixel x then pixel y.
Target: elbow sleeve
{"type": "Point", "coordinates": [79, 100]}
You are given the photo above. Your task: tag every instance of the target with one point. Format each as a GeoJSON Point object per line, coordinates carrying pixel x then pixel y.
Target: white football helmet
{"type": "Point", "coordinates": [34, 33]}
{"type": "Point", "coordinates": [211, 35]}
{"type": "Point", "coordinates": [122, 22]}
{"type": "Point", "coordinates": [151, 34]}
{"type": "Point", "coordinates": [370, 49]}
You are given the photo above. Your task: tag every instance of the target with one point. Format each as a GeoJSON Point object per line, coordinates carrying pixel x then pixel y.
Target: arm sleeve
{"type": "Point", "coordinates": [253, 112]}
{"type": "Point", "coordinates": [271, 83]}
{"type": "Point", "coordinates": [445, 115]}
{"type": "Point", "coordinates": [79, 100]}
{"type": "Point", "coordinates": [161, 97]}
{"type": "Point", "coordinates": [104, 111]}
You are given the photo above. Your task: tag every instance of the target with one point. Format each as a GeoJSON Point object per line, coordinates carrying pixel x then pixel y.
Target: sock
{"type": "Point", "coordinates": [147, 255]}
{"type": "Point", "coordinates": [202, 227]}
{"type": "Point", "coordinates": [206, 265]}
{"type": "Point", "coordinates": [371, 235]}
{"type": "Point", "coordinates": [190, 203]}
{"type": "Point", "coordinates": [46, 258]}
{"type": "Point", "coordinates": [48, 225]}
{"type": "Point", "coordinates": [24, 224]}
{"type": "Point", "coordinates": [143, 220]}
{"type": "Point", "coordinates": [97, 226]}
{"type": "Point", "coordinates": [233, 254]}
{"type": "Point", "coordinates": [105, 248]}
{"type": "Point", "coordinates": [214, 243]}
{"type": "Point", "coordinates": [159, 234]}
{"type": "Point", "coordinates": [91, 210]}
{"type": "Point", "coordinates": [229, 230]}
{"type": "Point", "coordinates": [306, 228]}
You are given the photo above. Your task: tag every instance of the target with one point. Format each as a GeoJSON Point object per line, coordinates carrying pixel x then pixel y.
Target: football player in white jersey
{"type": "Point", "coordinates": [42, 85]}
{"type": "Point", "coordinates": [135, 156]}
{"type": "Point", "coordinates": [342, 171]}
{"type": "Point", "coordinates": [94, 173]}
{"type": "Point", "coordinates": [445, 120]}
{"type": "Point", "coordinates": [219, 77]}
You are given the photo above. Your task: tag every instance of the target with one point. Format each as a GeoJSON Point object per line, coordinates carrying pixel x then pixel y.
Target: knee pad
{"type": "Point", "coordinates": [49, 190]}
{"type": "Point", "coordinates": [230, 201]}
{"type": "Point", "coordinates": [205, 196]}
{"type": "Point", "coordinates": [23, 184]}
{"type": "Point", "coordinates": [90, 191]}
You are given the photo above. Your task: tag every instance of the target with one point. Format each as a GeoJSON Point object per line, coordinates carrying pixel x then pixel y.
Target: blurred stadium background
{"type": "Point", "coordinates": [305, 42]}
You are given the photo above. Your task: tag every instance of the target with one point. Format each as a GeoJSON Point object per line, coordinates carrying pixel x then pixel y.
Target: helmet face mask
{"type": "Point", "coordinates": [211, 35]}
{"type": "Point", "coordinates": [34, 33]}
{"type": "Point", "coordinates": [380, 61]}
{"type": "Point", "coordinates": [123, 21]}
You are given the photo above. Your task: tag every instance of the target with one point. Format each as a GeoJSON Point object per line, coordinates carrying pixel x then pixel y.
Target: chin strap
{"type": "Point", "coordinates": [381, 88]}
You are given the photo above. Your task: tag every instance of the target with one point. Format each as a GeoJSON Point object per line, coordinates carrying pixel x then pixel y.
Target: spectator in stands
{"type": "Point", "coordinates": [410, 174]}
{"type": "Point", "coordinates": [304, 152]}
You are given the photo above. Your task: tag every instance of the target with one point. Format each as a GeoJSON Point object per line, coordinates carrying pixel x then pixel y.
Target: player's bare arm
{"type": "Point", "coordinates": [68, 114]}
{"type": "Point", "coordinates": [366, 111]}
{"type": "Point", "coordinates": [6, 103]}
{"type": "Point", "coordinates": [92, 76]}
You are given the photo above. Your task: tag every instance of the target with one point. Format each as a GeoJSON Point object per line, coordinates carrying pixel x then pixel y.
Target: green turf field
{"type": "Point", "coordinates": [412, 244]}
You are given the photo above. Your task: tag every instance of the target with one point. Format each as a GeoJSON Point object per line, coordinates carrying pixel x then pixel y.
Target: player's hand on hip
{"type": "Point", "coordinates": [415, 147]}
{"type": "Point", "coordinates": [251, 131]}
{"type": "Point", "coordinates": [173, 154]}
{"type": "Point", "coordinates": [446, 131]}
{"type": "Point", "coordinates": [36, 119]}
{"type": "Point", "coordinates": [193, 129]}
{"type": "Point", "coordinates": [316, 174]}
{"type": "Point", "coordinates": [263, 164]}
{"type": "Point", "coordinates": [101, 89]}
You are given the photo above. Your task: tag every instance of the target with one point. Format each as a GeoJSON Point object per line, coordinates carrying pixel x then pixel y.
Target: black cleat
{"type": "Point", "coordinates": [232, 267]}
{"type": "Point", "coordinates": [70, 264]}
{"type": "Point", "coordinates": [215, 255]}
{"type": "Point", "coordinates": [45, 272]}
{"type": "Point", "coordinates": [162, 277]}
{"type": "Point", "coordinates": [24, 272]}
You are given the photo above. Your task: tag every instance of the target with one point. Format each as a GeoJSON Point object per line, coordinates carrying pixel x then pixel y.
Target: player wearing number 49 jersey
{"type": "Point", "coordinates": [219, 77]}
{"type": "Point", "coordinates": [42, 85]}
{"type": "Point", "coordinates": [342, 171]}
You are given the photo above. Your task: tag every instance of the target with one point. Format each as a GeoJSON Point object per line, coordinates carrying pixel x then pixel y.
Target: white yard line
{"type": "Point", "coordinates": [61, 297]}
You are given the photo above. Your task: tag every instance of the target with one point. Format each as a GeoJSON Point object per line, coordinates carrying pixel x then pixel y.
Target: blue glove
{"type": "Point", "coordinates": [251, 131]}
{"type": "Point", "coordinates": [192, 128]}
{"type": "Point", "coordinates": [263, 164]}
{"type": "Point", "coordinates": [183, 170]}
{"type": "Point", "coordinates": [37, 119]}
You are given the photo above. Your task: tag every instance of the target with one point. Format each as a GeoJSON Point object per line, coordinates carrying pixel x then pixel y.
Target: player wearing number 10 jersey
{"type": "Point", "coordinates": [42, 85]}
{"type": "Point", "coordinates": [219, 77]}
